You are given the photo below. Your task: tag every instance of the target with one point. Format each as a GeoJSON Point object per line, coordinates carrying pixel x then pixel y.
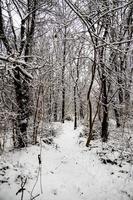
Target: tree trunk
{"type": "Point", "coordinates": [36, 116]}
{"type": "Point", "coordinates": [90, 123]}
{"type": "Point", "coordinates": [75, 109]}
{"type": "Point", "coordinates": [55, 112]}
{"type": "Point", "coordinates": [104, 133]}
{"type": "Point", "coordinates": [81, 111]}
{"type": "Point", "coordinates": [22, 98]}
{"type": "Point", "coordinates": [21, 83]}
{"type": "Point", "coordinates": [63, 76]}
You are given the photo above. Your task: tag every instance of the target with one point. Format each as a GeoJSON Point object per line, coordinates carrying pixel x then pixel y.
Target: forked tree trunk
{"type": "Point", "coordinates": [21, 83]}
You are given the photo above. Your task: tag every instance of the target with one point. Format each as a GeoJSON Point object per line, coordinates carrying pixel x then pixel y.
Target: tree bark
{"type": "Point", "coordinates": [63, 76]}
{"type": "Point", "coordinates": [104, 133]}
{"type": "Point", "coordinates": [75, 109]}
{"type": "Point", "coordinates": [22, 99]}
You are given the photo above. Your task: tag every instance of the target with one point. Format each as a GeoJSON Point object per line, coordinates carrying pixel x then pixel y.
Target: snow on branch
{"type": "Point", "coordinates": [20, 63]}
{"type": "Point", "coordinates": [92, 34]}
{"type": "Point", "coordinates": [112, 10]}
{"type": "Point", "coordinates": [24, 72]}
{"type": "Point", "coordinates": [114, 43]}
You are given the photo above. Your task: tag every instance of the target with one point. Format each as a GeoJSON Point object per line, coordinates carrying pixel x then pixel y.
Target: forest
{"type": "Point", "coordinates": [66, 98]}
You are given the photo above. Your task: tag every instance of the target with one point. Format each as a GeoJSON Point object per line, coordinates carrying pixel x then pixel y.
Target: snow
{"type": "Point", "coordinates": [69, 171]}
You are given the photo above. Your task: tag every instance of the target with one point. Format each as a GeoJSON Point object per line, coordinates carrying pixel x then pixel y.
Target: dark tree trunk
{"type": "Point", "coordinates": [90, 123]}
{"type": "Point", "coordinates": [75, 109]}
{"type": "Point", "coordinates": [63, 105]}
{"type": "Point", "coordinates": [21, 84]}
{"type": "Point", "coordinates": [81, 111]}
{"type": "Point", "coordinates": [55, 112]}
{"type": "Point", "coordinates": [117, 117]}
{"type": "Point", "coordinates": [63, 76]}
{"type": "Point", "coordinates": [50, 105]}
{"type": "Point", "coordinates": [104, 133]}
{"type": "Point", "coordinates": [31, 28]}
{"type": "Point", "coordinates": [22, 98]}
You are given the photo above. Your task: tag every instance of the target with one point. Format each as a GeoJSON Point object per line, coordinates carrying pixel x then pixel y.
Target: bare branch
{"type": "Point", "coordinates": [17, 62]}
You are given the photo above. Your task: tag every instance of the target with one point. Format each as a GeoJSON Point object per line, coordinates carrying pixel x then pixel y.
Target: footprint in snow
{"type": "Point", "coordinates": [64, 160]}
{"type": "Point", "coordinates": [79, 190]}
{"type": "Point", "coordinates": [54, 191]}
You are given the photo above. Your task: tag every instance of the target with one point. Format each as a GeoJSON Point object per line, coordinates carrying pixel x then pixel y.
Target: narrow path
{"type": "Point", "coordinates": [77, 174]}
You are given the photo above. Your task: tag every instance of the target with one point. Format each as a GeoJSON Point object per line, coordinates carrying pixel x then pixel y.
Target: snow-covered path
{"type": "Point", "coordinates": [69, 172]}
{"type": "Point", "coordinates": [77, 173]}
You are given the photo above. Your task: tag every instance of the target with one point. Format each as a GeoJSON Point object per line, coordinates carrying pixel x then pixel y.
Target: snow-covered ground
{"type": "Point", "coordinates": [69, 171]}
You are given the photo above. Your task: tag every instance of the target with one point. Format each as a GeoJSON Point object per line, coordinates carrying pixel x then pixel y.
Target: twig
{"type": "Point", "coordinates": [21, 190]}
{"type": "Point", "coordinates": [35, 196]}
